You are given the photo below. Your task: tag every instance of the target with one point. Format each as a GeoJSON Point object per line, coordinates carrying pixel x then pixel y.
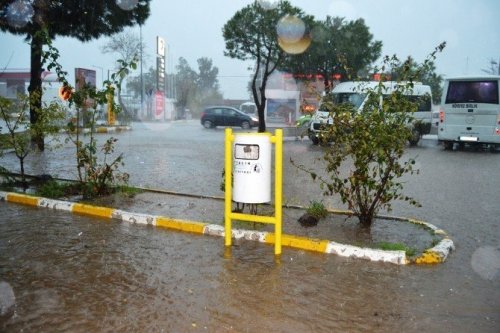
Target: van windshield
{"type": "Point", "coordinates": [484, 91]}
{"type": "Point", "coordinates": [355, 99]}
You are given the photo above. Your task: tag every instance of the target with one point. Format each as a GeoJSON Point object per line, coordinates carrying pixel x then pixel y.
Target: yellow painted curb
{"type": "Point", "coordinates": [298, 242]}
{"type": "Point", "coordinates": [429, 257]}
{"type": "Point", "coordinates": [93, 210]}
{"type": "Point", "coordinates": [189, 226]}
{"type": "Point", "coordinates": [22, 199]}
{"type": "Point", "coordinates": [435, 255]}
{"type": "Point", "coordinates": [101, 130]}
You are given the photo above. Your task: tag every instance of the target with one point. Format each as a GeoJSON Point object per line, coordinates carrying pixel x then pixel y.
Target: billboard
{"type": "Point", "coordinates": [84, 76]}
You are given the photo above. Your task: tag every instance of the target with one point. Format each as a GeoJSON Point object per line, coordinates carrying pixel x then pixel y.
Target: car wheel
{"type": "Point", "coordinates": [208, 124]}
{"type": "Point", "coordinates": [448, 145]}
{"type": "Point", "coordinates": [245, 125]}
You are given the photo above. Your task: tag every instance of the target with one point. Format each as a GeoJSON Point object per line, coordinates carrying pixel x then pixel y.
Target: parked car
{"type": "Point", "coordinates": [215, 116]}
{"type": "Point", "coordinates": [303, 121]}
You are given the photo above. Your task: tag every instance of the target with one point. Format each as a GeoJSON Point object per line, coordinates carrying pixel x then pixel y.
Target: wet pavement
{"type": "Point", "coordinates": [79, 274]}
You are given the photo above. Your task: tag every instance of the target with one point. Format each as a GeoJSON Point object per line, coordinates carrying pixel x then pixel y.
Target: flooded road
{"type": "Point", "coordinates": [72, 273]}
{"type": "Point", "coordinates": [79, 274]}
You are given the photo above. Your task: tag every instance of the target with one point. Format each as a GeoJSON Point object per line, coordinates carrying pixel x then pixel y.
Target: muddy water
{"type": "Point", "coordinates": [118, 277]}
{"type": "Point", "coordinates": [79, 274]}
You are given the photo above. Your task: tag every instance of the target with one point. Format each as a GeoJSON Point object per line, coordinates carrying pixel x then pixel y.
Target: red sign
{"type": "Point", "coordinates": [160, 105]}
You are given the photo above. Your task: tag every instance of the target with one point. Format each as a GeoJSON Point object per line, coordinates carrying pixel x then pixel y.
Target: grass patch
{"type": "Point", "coordinates": [55, 189]}
{"type": "Point", "coordinates": [387, 246]}
{"type": "Point", "coordinates": [129, 191]}
{"type": "Point", "coordinates": [317, 209]}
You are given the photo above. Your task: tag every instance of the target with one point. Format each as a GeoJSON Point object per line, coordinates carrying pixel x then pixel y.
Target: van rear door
{"type": "Point", "coordinates": [471, 109]}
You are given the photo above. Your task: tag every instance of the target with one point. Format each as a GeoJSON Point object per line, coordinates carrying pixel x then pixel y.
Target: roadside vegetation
{"type": "Point", "coordinates": [18, 131]}
{"type": "Point", "coordinates": [98, 167]}
{"type": "Point", "coordinates": [364, 149]}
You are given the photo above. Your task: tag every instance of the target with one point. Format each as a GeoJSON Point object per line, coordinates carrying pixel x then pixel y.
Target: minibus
{"type": "Point", "coordinates": [470, 111]}
{"type": "Point", "coordinates": [355, 93]}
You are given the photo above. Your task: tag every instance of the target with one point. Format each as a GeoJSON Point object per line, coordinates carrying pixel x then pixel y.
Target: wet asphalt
{"type": "Point", "coordinates": [458, 191]}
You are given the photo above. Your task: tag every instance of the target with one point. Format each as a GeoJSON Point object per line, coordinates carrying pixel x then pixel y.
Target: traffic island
{"type": "Point", "coordinates": [436, 254]}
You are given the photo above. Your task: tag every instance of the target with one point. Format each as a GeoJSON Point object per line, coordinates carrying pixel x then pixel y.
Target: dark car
{"type": "Point", "coordinates": [226, 116]}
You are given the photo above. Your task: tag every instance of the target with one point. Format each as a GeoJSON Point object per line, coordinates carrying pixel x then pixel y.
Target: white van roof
{"type": "Point", "coordinates": [474, 77]}
{"type": "Point", "coordinates": [355, 86]}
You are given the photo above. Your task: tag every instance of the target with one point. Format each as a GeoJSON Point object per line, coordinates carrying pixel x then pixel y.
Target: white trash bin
{"type": "Point", "coordinates": [252, 168]}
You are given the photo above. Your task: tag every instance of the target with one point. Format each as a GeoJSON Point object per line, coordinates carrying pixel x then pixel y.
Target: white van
{"type": "Point", "coordinates": [470, 111]}
{"type": "Point", "coordinates": [354, 92]}
{"type": "Point", "coordinates": [249, 108]}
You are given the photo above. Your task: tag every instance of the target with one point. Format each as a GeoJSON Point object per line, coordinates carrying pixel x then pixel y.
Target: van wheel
{"type": "Point", "coordinates": [314, 140]}
{"type": "Point", "coordinates": [448, 145]}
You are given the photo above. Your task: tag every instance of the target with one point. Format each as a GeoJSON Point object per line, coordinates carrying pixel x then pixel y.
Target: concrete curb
{"type": "Point", "coordinates": [102, 129]}
{"type": "Point", "coordinates": [436, 254]}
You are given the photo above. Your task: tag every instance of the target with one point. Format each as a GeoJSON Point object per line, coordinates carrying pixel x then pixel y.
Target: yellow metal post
{"type": "Point", "coordinates": [111, 113]}
{"type": "Point", "coordinates": [277, 139]}
{"type": "Point", "coordinates": [228, 170]}
{"type": "Point", "coordinates": [278, 189]}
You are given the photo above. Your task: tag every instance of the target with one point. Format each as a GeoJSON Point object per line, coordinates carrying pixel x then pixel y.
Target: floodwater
{"type": "Point", "coordinates": [80, 274]}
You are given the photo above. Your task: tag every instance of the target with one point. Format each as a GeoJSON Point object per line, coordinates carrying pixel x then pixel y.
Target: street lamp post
{"type": "Point", "coordinates": [102, 73]}
{"type": "Point", "coordinates": [142, 81]}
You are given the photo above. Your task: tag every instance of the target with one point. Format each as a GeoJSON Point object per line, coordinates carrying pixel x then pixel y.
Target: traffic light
{"type": "Point", "coordinates": [65, 92]}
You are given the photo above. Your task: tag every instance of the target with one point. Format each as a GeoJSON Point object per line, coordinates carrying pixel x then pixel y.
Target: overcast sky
{"type": "Point", "coordinates": [193, 29]}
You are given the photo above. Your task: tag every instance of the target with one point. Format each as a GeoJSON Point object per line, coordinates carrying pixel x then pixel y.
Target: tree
{"type": "Point", "coordinates": [494, 68]}
{"type": "Point", "coordinates": [84, 20]}
{"type": "Point", "coordinates": [207, 77]}
{"type": "Point", "coordinates": [19, 129]}
{"type": "Point", "coordinates": [195, 89]}
{"type": "Point", "coordinates": [186, 84]}
{"type": "Point", "coordinates": [96, 178]}
{"type": "Point", "coordinates": [208, 84]}
{"type": "Point", "coordinates": [425, 73]}
{"type": "Point", "coordinates": [127, 46]}
{"type": "Point", "coordinates": [251, 34]}
{"type": "Point", "coordinates": [364, 161]}
{"type": "Point", "coordinates": [149, 81]}
{"type": "Point", "coordinates": [339, 49]}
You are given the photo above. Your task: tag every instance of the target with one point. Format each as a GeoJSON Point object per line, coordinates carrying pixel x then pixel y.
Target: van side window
{"type": "Point", "coordinates": [484, 91]}
{"type": "Point", "coordinates": [424, 102]}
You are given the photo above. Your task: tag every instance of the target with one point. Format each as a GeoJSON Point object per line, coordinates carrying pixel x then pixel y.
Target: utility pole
{"type": "Point", "coordinates": [142, 81]}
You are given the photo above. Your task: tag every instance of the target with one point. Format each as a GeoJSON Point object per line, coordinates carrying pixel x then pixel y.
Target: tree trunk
{"type": "Point", "coordinates": [125, 111]}
{"type": "Point", "coordinates": [260, 111]}
{"type": "Point", "coordinates": [366, 220]}
{"type": "Point", "coordinates": [23, 175]}
{"type": "Point", "coordinates": [35, 89]}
